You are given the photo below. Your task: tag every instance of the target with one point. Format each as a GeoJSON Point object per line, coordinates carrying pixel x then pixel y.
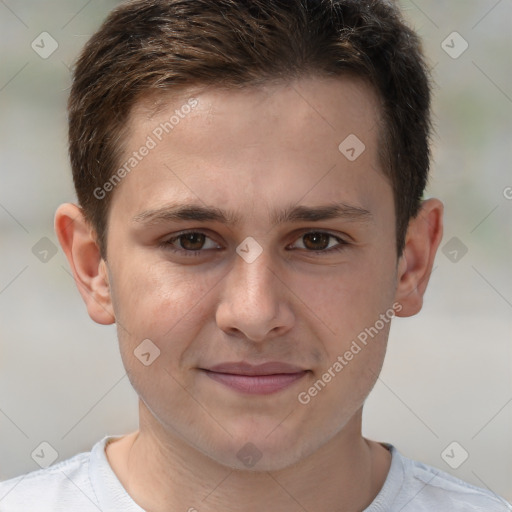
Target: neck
{"type": "Point", "coordinates": [161, 472]}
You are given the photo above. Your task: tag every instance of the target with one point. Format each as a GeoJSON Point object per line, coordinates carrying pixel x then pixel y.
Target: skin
{"type": "Point", "coordinates": [253, 152]}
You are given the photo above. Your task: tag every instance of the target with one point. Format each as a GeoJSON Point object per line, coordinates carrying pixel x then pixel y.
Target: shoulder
{"type": "Point", "coordinates": [428, 488]}
{"type": "Point", "coordinates": [61, 487]}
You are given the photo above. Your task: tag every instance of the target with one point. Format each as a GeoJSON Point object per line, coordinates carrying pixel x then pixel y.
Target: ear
{"type": "Point", "coordinates": [77, 238]}
{"type": "Point", "coordinates": [415, 264]}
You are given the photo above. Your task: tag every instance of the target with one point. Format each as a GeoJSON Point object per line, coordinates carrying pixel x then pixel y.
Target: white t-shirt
{"type": "Point", "coordinates": [86, 483]}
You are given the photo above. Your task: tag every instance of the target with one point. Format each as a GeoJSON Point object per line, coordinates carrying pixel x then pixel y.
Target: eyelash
{"type": "Point", "coordinates": [166, 244]}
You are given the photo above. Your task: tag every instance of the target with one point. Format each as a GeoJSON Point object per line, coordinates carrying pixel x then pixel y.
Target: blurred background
{"type": "Point", "coordinates": [448, 375]}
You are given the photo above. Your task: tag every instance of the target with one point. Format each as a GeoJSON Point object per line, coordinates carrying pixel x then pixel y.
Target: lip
{"type": "Point", "coordinates": [262, 379]}
{"type": "Point", "coordinates": [243, 368]}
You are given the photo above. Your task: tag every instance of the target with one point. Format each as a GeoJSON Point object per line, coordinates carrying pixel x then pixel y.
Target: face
{"type": "Point", "coordinates": [247, 235]}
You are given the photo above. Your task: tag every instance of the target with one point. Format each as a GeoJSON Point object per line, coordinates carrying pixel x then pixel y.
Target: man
{"type": "Point", "coordinates": [250, 178]}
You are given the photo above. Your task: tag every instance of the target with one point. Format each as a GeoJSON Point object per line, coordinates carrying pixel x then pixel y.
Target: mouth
{"type": "Point", "coordinates": [260, 379]}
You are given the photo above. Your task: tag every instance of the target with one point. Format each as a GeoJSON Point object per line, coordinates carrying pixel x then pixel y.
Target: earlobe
{"type": "Point", "coordinates": [76, 237]}
{"type": "Point", "coordinates": [415, 264]}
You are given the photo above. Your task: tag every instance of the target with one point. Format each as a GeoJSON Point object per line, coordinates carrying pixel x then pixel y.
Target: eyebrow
{"type": "Point", "coordinates": [293, 213]}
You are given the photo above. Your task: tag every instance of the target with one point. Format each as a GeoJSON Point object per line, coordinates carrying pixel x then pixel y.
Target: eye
{"type": "Point", "coordinates": [195, 243]}
{"type": "Point", "coordinates": [321, 241]}
{"type": "Point", "coordinates": [192, 242]}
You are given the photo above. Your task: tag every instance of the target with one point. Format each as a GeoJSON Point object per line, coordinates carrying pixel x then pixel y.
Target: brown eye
{"type": "Point", "coordinates": [316, 241]}
{"type": "Point", "coordinates": [192, 241]}
{"type": "Point", "coordinates": [320, 242]}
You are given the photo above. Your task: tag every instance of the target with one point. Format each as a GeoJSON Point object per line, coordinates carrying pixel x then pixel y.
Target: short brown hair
{"type": "Point", "coordinates": [147, 46]}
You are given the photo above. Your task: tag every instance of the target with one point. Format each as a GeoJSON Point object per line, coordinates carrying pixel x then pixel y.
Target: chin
{"type": "Point", "coordinates": [251, 458]}
{"type": "Point", "coordinates": [267, 449]}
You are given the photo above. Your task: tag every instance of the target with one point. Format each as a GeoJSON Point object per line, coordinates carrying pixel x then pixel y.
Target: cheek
{"type": "Point", "coordinates": [340, 388]}
{"type": "Point", "coordinates": [356, 306]}
{"type": "Point", "coordinates": [348, 298]}
{"type": "Point", "coordinates": [161, 303]}
{"type": "Point", "coordinates": [169, 308]}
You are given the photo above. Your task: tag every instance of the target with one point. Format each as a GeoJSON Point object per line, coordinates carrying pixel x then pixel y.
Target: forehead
{"type": "Point", "coordinates": [277, 139]}
{"type": "Point", "coordinates": [359, 98]}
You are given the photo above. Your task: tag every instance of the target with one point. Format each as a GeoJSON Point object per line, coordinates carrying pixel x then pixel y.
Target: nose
{"type": "Point", "coordinates": [254, 301]}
